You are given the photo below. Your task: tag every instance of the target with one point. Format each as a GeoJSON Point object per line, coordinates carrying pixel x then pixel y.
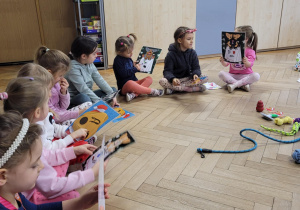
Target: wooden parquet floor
{"type": "Point", "coordinates": [162, 170]}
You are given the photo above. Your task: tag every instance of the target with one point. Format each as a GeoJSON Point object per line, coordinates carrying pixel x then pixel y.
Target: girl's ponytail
{"type": "Point", "coordinates": [124, 43]}
{"type": "Point", "coordinates": [133, 36]}
{"type": "Point", "coordinates": [254, 41]}
{"type": "Point", "coordinates": [53, 60]}
{"type": "Point", "coordinates": [41, 51]}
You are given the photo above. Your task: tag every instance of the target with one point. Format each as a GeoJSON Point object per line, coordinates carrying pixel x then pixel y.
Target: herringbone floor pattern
{"type": "Point", "coordinates": [162, 170]}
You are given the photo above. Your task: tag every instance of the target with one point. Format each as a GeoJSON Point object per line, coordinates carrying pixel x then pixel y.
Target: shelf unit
{"type": "Point", "coordinates": [89, 21]}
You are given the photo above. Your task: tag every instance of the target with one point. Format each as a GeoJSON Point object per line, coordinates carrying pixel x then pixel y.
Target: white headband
{"type": "Point", "coordinates": [16, 143]}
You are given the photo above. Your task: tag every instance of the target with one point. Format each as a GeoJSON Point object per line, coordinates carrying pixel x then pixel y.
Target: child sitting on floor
{"type": "Point", "coordinates": [125, 69]}
{"type": "Point", "coordinates": [182, 70]}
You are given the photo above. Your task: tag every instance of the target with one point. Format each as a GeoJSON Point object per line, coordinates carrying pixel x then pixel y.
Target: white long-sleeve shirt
{"type": "Point", "coordinates": [52, 130]}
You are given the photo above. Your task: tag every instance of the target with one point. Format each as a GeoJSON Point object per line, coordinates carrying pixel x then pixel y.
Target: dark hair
{"type": "Point", "coordinates": [10, 126]}
{"type": "Point", "coordinates": [250, 35]}
{"type": "Point", "coordinates": [35, 70]}
{"type": "Point", "coordinates": [179, 33]}
{"type": "Point", "coordinates": [82, 45]}
{"type": "Point", "coordinates": [25, 95]}
{"type": "Point", "coordinates": [54, 60]}
{"type": "Point", "coordinates": [124, 43]}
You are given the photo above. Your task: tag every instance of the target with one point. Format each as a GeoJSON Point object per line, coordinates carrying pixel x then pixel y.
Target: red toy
{"type": "Point", "coordinates": [79, 158]}
{"type": "Point", "coordinates": [260, 106]}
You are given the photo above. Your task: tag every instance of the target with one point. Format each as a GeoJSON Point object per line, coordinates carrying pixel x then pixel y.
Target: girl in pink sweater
{"type": "Point", "coordinates": [29, 96]}
{"type": "Point", "coordinates": [58, 63]}
{"type": "Point", "coordinates": [241, 75]}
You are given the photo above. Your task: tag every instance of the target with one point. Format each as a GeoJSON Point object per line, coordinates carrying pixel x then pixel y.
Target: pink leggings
{"type": "Point", "coordinates": [138, 87]}
{"type": "Point", "coordinates": [239, 79]}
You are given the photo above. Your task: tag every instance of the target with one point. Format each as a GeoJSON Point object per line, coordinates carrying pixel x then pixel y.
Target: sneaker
{"type": "Point", "coordinates": [157, 92]}
{"type": "Point", "coordinates": [246, 87]}
{"type": "Point", "coordinates": [230, 88]}
{"type": "Point", "coordinates": [168, 91]}
{"type": "Point", "coordinates": [130, 96]}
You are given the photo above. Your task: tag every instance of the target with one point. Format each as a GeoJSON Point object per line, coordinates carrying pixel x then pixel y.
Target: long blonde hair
{"type": "Point", "coordinates": [35, 70]}
{"type": "Point", "coordinates": [25, 95]}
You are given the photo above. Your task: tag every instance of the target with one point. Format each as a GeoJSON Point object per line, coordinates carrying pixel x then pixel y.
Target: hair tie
{"type": "Point", "coordinates": [3, 95]}
{"type": "Point", "coordinates": [16, 143]}
{"type": "Point", "coordinates": [122, 43]}
{"type": "Point", "coordinates": [187, 31]}
{"type": "Point", "coordinates": [30, 78]}
{"type": "Point", "coordinates": [128, 35]}
{"type": "Point", "coordinates": [47, 49]}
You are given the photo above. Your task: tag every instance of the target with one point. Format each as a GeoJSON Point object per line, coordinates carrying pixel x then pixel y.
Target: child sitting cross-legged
{"type": "Point", "coordinates": [125, 69]}
{"type": "Point", "coordinates": [182, 71]}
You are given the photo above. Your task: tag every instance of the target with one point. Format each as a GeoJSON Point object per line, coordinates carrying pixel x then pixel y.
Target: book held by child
{"type": "Point", "coordinates": [233, 46]}
{"type": "Point", "coordinates": [147, 58]}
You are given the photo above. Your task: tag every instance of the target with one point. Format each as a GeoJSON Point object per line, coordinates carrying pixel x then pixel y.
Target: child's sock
{"type": "Point", "coordinates": [157, 92]}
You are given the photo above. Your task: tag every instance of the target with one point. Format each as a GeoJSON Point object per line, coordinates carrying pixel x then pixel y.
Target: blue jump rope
{"type": "Point", "coordinates": [203, 150]}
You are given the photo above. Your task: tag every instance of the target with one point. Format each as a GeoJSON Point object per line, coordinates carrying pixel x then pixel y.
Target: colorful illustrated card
{"type": "Point", "coordinates": [110, 147]}
{"type": "Point", "coordinates": [233, 46]}
{"type": "Point", "coordinates": [147, 58]}
{"type": "Point", "coordinates": [123, 114]}
{"type": "Point", "coordinates": [94, 118]}
{"type": "Point", "coordinates": [211, 86]}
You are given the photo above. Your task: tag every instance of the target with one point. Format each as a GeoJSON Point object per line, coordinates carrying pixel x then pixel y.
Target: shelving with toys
{"type": "Point", "coordinates": [89, 20]}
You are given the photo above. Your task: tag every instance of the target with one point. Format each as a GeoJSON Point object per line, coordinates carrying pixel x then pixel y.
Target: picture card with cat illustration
{"type": "Point", "coordinates": [233, 46]}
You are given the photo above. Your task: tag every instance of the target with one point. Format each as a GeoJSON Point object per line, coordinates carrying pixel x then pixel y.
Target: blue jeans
{"type": "Point", "coordinates": [82, 97]}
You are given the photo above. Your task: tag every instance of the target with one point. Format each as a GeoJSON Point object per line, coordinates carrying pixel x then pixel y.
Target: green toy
{"type": "Point", "coordinates": [294, 130]}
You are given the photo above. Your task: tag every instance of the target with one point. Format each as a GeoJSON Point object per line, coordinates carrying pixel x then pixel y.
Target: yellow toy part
{"type": "Point", "coordinates": [91, 120]}
{"type": "Point", "coordinates": [120, 111]}
{"type": "Point", "coordinates": [286, 120]}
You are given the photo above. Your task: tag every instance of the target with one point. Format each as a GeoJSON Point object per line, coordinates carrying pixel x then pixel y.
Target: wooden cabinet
{"type": "Point", "coordinates": [57, 21]}
{"type": "Point", "coordinates": [264, 16]}
{"type": "Point", "coordinates": [20, 33]}
{"type": "Point", "coordinates": [289, 34]}
{"type": "Point", "coordinates": [28, 24]}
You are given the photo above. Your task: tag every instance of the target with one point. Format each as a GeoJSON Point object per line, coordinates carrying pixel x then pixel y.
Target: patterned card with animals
{"type": "Point", "coordinates": [110, 147]}
{"type": "Point", "coordinates": [233, 47]}
{"type": "Point", "coordinates": [147, 59]}
{"type": "Point", "coordinates": [123, 114]}
{"type": "Point", "coordinates": [94, 118]}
